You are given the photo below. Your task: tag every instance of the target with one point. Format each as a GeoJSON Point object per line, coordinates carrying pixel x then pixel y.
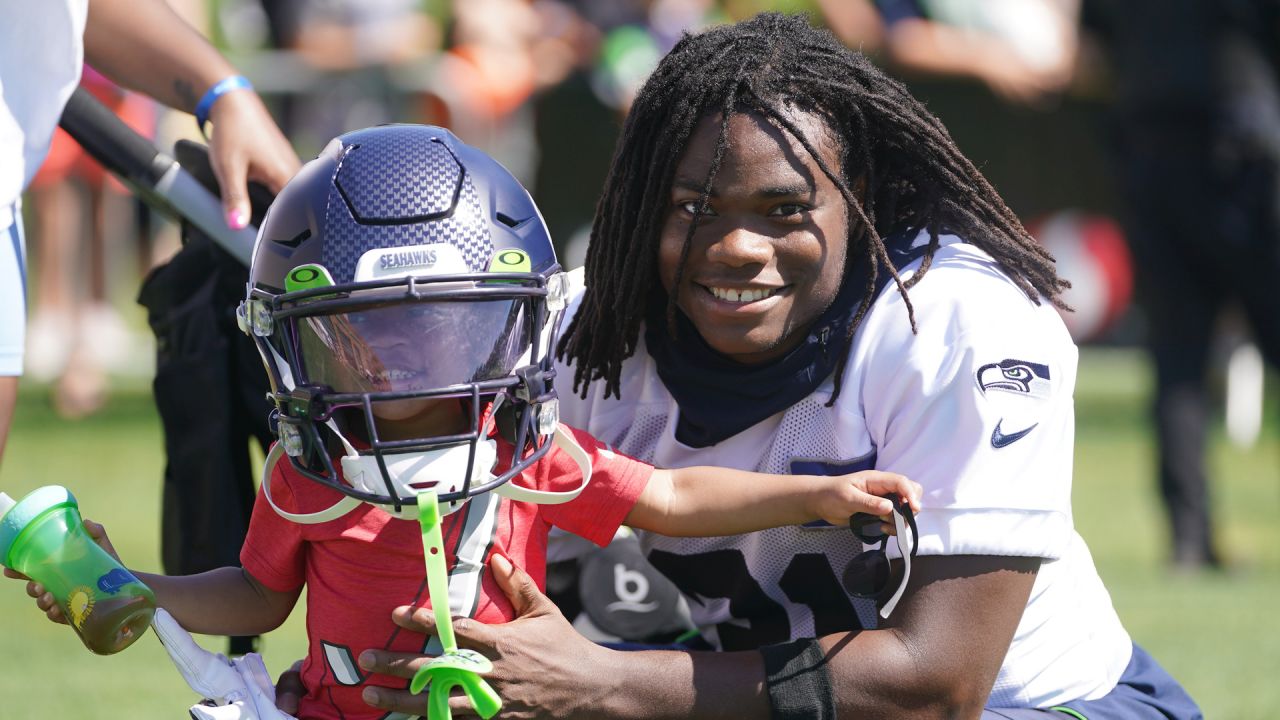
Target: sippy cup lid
{"type": "Point", "coordinates": [27, 509]}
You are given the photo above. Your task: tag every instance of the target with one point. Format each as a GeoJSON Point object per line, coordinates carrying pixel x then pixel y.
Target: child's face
{"type": "Point", "coordinates": [408, 347]}
{"type": "Point", "coordinates": [419, 417]}
{"type": "Point", "coordinates": [390, 348]}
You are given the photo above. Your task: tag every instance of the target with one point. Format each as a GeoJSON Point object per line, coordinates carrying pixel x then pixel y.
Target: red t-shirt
{"type": "Point", "coordinates": [358, 567]}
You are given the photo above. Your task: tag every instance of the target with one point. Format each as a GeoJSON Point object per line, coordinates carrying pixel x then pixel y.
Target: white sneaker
{"type": "Point", "coordinates": [117, 348]}
{"type": "Point", "coordinates": [49, 341]}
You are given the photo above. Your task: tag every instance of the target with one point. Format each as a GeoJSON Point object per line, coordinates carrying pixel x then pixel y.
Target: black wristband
{"type": "Point", "coordinates": [798, 681]}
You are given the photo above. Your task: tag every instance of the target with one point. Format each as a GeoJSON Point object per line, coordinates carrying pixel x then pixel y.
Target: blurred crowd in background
{"type": "Point", "coordinates": [1111, 127]}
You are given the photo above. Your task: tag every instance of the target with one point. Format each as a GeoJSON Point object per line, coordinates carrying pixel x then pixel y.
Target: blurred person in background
{"type": "Point", "coordinates": [575, 130]}
{"type": "Point", "coordinates": [351, 48]}
{"type": "Point", "coordinates": [75, 332]}
{"type": "Point", "coordinates": [608, 50]}
{"type": "Point", "coordinates": [1195, 136]}
{"type": "Point", "coordinates": [343, 34]}
{"type": "Point", "coordinates": [858, 24]}
{"type": "Point", "coordinates": [482, 83]}
{"type": "Point", "coordinates": [142, 45]}
{"type": "Point", "coordinates": [1023, 50]}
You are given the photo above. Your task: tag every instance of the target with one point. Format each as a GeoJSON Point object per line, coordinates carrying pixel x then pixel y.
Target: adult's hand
{"type": "Point", "coordinates": [246, 145]}
{"type": "Point", "coordinates": [542, 666]}
{"type": "Point", "coordinates": [289, 689]}
{"type": "Point", "coordinates": [145, 46]}
{"type": "Point", "coordinates": [956, 619]}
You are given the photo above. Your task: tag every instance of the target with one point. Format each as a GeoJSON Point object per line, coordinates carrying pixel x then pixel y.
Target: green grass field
{"type": "Point", "coordinates": [1213, 631]}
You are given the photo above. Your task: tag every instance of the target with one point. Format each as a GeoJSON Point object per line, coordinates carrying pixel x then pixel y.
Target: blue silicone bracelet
{"type": "Point", "coordinates": [222, 87]}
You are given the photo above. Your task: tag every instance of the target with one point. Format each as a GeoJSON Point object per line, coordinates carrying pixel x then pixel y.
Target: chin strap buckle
{"type": "Point", "coordinates": [535, 391]}
{"type": "Point", "coordinates": [254, 318]}
{"type": "Point", "coordinates": [533, 387]}
{"type": "Point", "coordinates": [299, 405]}
{"type": "Point", "coordinates": [558, 291]}
{"type": "Point", "coordinates": [302, 403]}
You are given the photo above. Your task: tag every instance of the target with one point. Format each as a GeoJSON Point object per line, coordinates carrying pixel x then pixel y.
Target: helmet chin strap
{"type": "Point", "coordinates": [415, 472]}
{"type": "Point", "coordinates": [337, 510]}
{"type": "Point", "coordinates": [423, 469]}
{"type": "Point", "coordinates": [565, 442]}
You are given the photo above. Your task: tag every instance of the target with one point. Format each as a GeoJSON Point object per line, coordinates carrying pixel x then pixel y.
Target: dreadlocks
{"type": "Point", "coordinates": [914, 177]}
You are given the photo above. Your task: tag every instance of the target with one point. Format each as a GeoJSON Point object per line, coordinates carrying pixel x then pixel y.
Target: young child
{"type": "Point", "coordinates": [405, 296]}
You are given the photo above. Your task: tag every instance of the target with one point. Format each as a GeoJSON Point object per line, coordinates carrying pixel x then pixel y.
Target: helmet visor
{"type": "Point", "coordinates": [413, 346]}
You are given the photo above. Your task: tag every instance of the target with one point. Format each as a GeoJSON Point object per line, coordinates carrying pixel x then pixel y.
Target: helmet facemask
{"type": "Point", "coordinates": [356, 362]}
{"type": "Point", "coordinates": [405, 281]}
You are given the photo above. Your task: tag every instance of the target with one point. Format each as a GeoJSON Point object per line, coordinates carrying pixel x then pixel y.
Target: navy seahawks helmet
{"type": "Point", "coordinates": [402, 264]}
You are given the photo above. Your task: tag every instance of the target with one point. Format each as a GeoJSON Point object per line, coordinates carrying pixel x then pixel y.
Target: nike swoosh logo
{"type": "Point", "coordinates": [999, 439]}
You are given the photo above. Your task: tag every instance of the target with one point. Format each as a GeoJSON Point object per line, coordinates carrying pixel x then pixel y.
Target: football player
{"type": "Point", "coordinates": [794, 269]}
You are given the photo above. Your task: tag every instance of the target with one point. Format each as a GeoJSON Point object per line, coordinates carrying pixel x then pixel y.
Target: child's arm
{"type": "Point", "coordinates": [711, 501]}
{"type": "Point", "coordinates": [225, 601]}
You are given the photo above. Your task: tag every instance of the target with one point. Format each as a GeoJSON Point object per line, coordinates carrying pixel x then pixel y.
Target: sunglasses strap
{"type": "Point", "coordinates": [904, 522]}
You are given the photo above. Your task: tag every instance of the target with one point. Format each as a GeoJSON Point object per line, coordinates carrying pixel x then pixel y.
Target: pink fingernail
{"type": "Point", "coordinates": [237, 219]}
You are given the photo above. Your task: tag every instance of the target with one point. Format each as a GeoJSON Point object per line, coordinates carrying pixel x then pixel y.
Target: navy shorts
{"type": "Point", "coordinates": [1145, 692]}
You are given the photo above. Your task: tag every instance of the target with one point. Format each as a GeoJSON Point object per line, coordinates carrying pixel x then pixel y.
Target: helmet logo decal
{"type": "Point", "coordinates": [512, 260]}
{"type": "Point", "coordinates": [306, 277]}
{"type": "Point", "coordinates": [407, 258]}
{"type": "Point", "coordinates": [419, 260]}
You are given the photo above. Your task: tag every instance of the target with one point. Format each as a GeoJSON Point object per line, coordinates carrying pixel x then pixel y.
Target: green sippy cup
{"type": "Point", "coordinates": [43, 537]}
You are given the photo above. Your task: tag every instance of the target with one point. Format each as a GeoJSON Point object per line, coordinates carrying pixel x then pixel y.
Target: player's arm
{"type": "Point", "coordinates": [712, 501]}
{"type": "Point", "coordinates": [937, 657]}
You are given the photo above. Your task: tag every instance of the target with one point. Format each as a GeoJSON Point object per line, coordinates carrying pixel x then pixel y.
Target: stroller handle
{"type": "Point", "coordinates": [153, 175]}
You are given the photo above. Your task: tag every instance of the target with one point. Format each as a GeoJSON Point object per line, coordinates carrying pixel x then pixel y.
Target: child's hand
{"type": "Point", "coordinates": [836, 498]}
{"type": "Point", "coordinates": [44, 599]}
{"type": "Point", "coordinates": [99, 535]}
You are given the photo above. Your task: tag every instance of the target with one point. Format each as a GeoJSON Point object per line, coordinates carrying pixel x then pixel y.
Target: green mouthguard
{"type": "Point", "coordinates": [454, 667]}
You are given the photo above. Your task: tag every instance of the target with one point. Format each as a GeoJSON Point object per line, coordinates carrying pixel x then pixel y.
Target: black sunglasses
{"type": "Point", "coordinates": [868, 574]}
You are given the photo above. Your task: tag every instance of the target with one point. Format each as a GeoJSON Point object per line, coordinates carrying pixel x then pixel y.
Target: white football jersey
{"type": "Point", "coordinates": [977, 407]}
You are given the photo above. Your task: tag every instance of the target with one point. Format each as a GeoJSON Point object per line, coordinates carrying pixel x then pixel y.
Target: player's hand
{"type": "Point", "coordinates": [45, 599]}
{"type": "Point", "coordinates": [246, 145]}
{"type": "Point", "coordinates": [542, 667]}
{"type": "Point", "coordinates": [836, 498]}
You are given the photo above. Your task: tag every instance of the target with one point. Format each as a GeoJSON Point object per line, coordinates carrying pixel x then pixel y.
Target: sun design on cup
{"type": "Point", "coordinates": [80, 605]}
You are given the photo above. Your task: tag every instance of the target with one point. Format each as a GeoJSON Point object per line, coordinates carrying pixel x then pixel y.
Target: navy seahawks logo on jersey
{"type": "Point", "coordinates": [1015, 376]}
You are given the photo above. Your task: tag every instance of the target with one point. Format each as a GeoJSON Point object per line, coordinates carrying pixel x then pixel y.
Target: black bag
{"type": "Point", "coordinates": [210, 389]}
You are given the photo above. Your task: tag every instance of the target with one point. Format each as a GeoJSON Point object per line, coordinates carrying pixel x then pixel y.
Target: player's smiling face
{"type": "Point", "coordinates": [769, 252]}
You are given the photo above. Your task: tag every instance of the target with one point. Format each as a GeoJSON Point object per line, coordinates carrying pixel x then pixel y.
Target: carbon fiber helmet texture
{"type": "Point", "coordinates": [393, 186]}
{"type": "Point", "coordinates": [388, 187]}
